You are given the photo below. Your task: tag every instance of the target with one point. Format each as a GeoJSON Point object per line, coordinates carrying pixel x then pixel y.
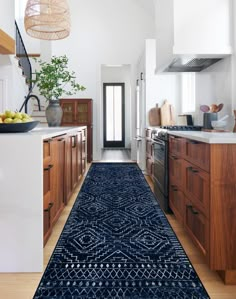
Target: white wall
{"type": "Point", "coordinates": [7, 17]}
{"type": "Point", "coordinates": [159, 86]}
{"type": "Point", "coordinates": [103, 32]}
{"type": "Point", "coordinates": [32, 45]}
{"type": "Point", "coordinates": [119, 75]}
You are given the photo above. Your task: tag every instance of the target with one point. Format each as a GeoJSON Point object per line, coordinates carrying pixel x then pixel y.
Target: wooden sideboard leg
{"type": "Point", "coordinates": [228, 276]}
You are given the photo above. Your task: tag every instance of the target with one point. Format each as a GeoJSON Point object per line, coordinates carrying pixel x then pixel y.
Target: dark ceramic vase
{"type": "Point", "coordinates": [54, 113]}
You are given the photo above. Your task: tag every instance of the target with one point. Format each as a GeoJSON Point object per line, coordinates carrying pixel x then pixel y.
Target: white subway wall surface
{"type": "Point", "coordinates": [103, 32]}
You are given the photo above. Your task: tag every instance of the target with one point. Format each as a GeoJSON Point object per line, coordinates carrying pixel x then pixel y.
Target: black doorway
{"type": "Point", "coordinates": [114, 114]}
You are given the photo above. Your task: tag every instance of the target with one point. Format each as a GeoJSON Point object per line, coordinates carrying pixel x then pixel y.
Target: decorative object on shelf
{"type": "Point", "coordinates": [53, 80]}
{"type": "Point", "coordinates": [47, 19]}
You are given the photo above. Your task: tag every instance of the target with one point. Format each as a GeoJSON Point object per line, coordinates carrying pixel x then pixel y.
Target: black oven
{"type": "Point", "coordinates": [160, 171]}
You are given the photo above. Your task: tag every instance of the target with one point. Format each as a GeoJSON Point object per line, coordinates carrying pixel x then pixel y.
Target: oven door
{"type": "Point", "coordinates": [160, 172]}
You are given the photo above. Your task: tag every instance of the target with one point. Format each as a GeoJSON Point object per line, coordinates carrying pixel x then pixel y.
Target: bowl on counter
{"type": "Point", "coordinates": [219, 124]}
{"type": "Point", "coordinates": [18, 127]}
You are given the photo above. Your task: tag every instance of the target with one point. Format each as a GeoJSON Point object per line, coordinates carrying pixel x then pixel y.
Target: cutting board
{"type": "Point", "coordinates": [154, 116]}
{"type": "Point", "coordinates": [167, 114]}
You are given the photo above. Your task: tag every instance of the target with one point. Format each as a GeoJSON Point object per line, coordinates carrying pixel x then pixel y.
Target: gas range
{"type": "Point", "coordinates": [162, 131]}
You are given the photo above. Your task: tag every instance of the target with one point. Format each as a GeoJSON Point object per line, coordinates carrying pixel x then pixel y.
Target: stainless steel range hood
{"type": "Point", "coordinates": [191, 64]}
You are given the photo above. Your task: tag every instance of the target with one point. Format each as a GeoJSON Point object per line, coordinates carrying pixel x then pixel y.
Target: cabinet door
{"type": "Point", "coordinates": [197, 186]}
{"type": "Point", "coordinates": [177, 202]}
{"type": "Point", "coordinates": [197, 226]}
{"type": "Point", "coordinates": [176, 170]}
{"type": "Point", "coordinates": [177, 145]}
{"type": "Point", "coordinates": [198, 153]}
{"type": "Point", "coordinates": [83, 112]}
{"type": "Point", "coordinates": [68, 108]}
{"type": "Point", "coordinates": [47, 201]}
{"type": "Point", "coordinates": [59, 162]}
{"type": "Point", "coordinates": [68, 169]}
{"type": "Point", "coordinates": [84, 151]}
{"type": "Point", "coordinates": [73, 161]}
{"type": "Point", "coordinates": [79, 155]}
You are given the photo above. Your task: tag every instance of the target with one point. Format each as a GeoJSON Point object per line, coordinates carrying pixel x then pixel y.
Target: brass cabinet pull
{"type": "Point", "coordinates": [74, 141]}
{"type": "Point", "coordinates": [48, 140]}
{"type": "Point", "coordinates": [49, 207]}
{"type": "Point", "coordinates": [49, 167]}
{"type": "Point", "coordinates": [192, 209]}
{"type": "Point", "coordinates": [193, 142]}
{"type": "Point", "coordinates": [174, 188]}
{"type": "Point", "coordinates": [190, 168]}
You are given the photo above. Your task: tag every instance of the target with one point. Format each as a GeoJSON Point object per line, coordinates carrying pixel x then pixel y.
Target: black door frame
{"type": "Point", "coordinates": [114, 143]}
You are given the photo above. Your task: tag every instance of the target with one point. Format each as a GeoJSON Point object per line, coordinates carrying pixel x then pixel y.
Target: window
{"type": "Point", "coordinates": [188, 92]}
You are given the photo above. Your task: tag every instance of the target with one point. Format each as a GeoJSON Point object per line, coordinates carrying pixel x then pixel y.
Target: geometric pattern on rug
{"type": "Point", "coordinates": [117, 243]}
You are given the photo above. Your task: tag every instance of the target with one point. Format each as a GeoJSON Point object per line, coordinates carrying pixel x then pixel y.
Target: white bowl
{"type": "Point", "coordinates": [218, 125]}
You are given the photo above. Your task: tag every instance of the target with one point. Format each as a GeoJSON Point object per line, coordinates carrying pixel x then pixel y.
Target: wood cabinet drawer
{"type": "Point", "coordinates": [198, 153]}
{"type": "Point", "coordinates": [197, 186]}
{"type": "Point", "coordinates": [176, 170]}
{"type": "Point", "coordinates": [47, 149]}
{"type": "Point", "coordinates": [177, 145]}
{"type": "Point", "coordinates": [177, 202]}
{"type": "Point", "coordinates": [197, 226]}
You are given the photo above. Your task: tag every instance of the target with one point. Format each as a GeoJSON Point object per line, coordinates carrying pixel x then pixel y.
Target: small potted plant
{"type": "Point", "coordinates": [53, 80]}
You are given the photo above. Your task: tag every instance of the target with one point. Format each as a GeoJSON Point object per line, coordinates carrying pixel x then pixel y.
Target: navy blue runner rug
{"type": "Point", "coordinates": [117, 243]}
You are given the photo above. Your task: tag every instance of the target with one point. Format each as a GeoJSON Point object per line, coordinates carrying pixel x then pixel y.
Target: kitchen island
{"type": "Point", "coordinates": [202, 194]}
{"type": "Point", "coordinates": [22, 196]}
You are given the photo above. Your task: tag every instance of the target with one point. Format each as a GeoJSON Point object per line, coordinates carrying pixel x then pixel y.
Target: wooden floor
{"type": "Point", "coordinates": [116, 155]}
{"type": "Point", "coordinates": [23, 286]}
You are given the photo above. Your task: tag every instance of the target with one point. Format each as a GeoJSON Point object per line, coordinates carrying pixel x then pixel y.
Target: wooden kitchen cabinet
{"type": "Point", "coordinates": [198, 153]}
{"type": "Point", "coordinates": [47, 189]}
{"type": "Point", "coordinates": [177, 202]}
{"type": "Point", "coordinates": [64, 165]}
{"type": "Point", "coordinates": [203, 198]}
{"type": "Point", "coordinates": [197, 225]}
{"type": "Point", "coordinates": [78, 112]}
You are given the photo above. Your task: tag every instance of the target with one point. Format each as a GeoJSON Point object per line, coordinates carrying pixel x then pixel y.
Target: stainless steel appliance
{"type": "Point", "coordinates": [161, 165]}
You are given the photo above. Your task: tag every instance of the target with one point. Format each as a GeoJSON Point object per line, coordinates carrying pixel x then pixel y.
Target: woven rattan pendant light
{"type": "Point", "coordinates": [47, 19]}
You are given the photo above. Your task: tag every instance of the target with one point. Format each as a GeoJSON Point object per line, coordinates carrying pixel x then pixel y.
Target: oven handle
{"type": "Point", "coordinates": [160, 142]}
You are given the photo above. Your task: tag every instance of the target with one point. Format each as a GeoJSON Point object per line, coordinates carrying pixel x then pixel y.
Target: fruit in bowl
{"type": "Point", "coordinates": [14, 122]}
{"type": "Point", "coordinates": [11, 117]}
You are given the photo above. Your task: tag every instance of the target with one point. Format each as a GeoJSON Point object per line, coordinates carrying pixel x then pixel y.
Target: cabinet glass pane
{"type": "Point", "coordinates": [114, 113]}
{"type": "Point", "coordinates": [67, 112]}
{"type": "Point", "coordinates": [82, 113]}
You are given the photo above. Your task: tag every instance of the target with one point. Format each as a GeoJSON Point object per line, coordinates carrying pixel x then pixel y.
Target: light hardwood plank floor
{"type": "Point", "coordinates": [116, 155]}
{"type": "Point", "coordinates": [23, 285]}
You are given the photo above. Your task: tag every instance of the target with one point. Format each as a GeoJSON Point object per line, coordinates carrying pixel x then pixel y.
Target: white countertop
{"type": "Point", "coordinates": [42, 132]}
{"type": "Point", "coordinates": [207, 137]}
